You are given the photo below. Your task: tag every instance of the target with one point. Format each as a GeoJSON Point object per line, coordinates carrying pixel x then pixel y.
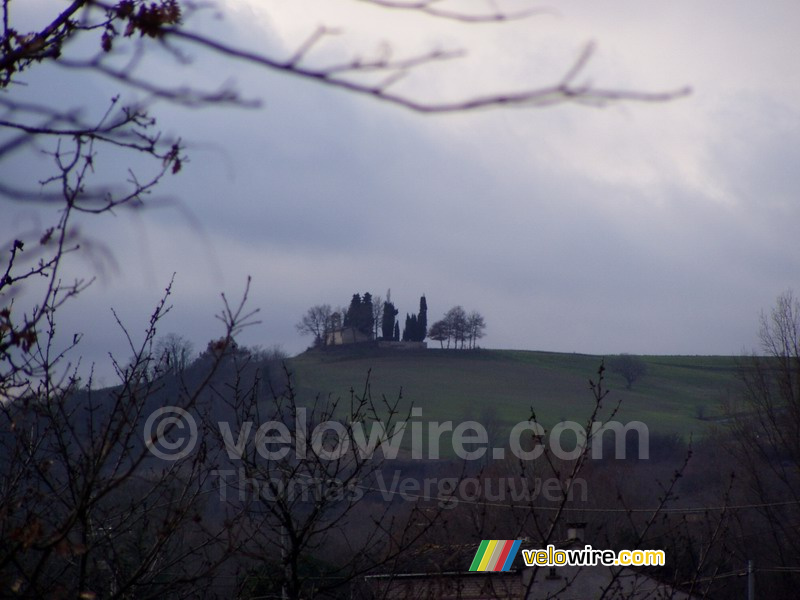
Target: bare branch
{"type": "Point", "coordinates": [429, 7]}
{"type": "Point", "coordinates": [536, 97]}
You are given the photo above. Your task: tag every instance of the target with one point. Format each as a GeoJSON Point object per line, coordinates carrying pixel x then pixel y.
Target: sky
{"type": "Point", "coordinates": [650, 228]}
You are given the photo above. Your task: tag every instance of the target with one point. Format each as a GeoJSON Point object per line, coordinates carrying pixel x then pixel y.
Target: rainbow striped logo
{"type": "Point", "coordinates": [495, 555]}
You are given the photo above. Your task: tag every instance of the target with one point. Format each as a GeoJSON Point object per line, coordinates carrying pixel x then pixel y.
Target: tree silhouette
{"type": "Point", "coordinates": [422, 321]}
{"type": "Point", "coordinates": [630, 367]}
{"type": "Point", "coordinates": [389, 324]}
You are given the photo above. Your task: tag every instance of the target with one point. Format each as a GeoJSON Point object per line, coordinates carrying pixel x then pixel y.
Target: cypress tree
{"type": "Point", "coordinates": [396, 331]}
{"type": "Point", "coordinates": [422, 322]}
{"type": "Point", "coordinates": [351, 317]}
{"type": "Point", "coordinates": [388, 322]}
{"type": "Point", "coordinates": [366, 320]}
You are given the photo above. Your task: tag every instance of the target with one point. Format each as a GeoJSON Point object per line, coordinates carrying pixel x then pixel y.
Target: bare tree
{"type": "Point", "coordinates": [173, 351]}
{"type": "Point", "coordinates": [305, 491]}
{"type": "Point", "coordinates": [765, 442]}
{"type": "Point", "coordinates": [476, 327]}
{"type": "Point", "coordinates": [377, 316]}
{"type": "Point", "coordinates": [88, 511]}
{"type": "Point", "coordinates": [318, 321]}
{"type": "Point", "coordinates": [458, 327]}
{"type": "Point", "coordinates": [456, 319]}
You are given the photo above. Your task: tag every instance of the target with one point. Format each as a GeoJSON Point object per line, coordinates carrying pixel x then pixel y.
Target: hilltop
{"type": "Point", "coordinates": [680, 394]}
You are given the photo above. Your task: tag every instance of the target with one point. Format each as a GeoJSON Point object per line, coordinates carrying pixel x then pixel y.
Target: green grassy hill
{"type": "Point", "coordinates": [463, 385]}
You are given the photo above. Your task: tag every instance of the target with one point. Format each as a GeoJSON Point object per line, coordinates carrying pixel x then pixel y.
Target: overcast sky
{"type": "Point", "coordinates": [645, 228]}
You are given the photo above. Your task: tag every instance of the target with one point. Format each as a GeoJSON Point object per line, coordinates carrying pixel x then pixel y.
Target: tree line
{"type": "Point", "coordinates": [377, 319]}
{"type": "Point", "coordinates": [460, 328]}
{"type": "Point", "coordinates": [369, 315]}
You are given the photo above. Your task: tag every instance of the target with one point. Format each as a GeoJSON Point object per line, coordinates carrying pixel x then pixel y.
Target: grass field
{"type": "Point", "coordinates": [505, 384]}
